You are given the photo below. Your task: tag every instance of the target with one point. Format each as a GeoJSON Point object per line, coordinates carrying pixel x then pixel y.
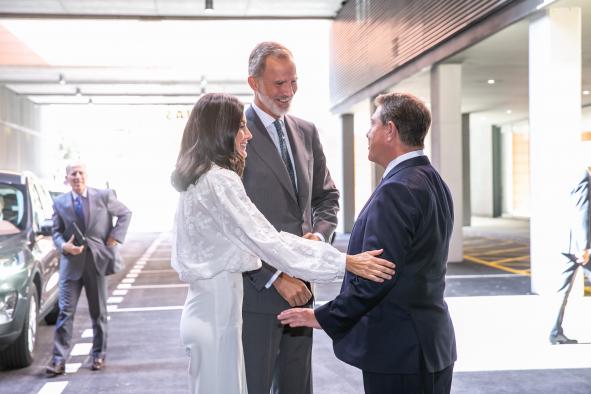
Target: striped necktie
{"type": "Point", "coordinates": [79, 211]}
{"type": "Point", "coordinates": [284, 153]}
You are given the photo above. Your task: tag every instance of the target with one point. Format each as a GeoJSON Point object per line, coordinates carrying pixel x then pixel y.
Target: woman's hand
{"type": "Point", "coordinates": [368, 266]}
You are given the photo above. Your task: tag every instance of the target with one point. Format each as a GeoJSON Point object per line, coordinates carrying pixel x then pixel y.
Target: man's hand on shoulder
{"type": "Point", "coordinates": [111, 242]}
{"type": "Point", "coordinates": [293, 290]}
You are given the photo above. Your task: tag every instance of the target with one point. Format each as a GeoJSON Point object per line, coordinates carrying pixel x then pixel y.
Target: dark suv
{"type": "Point", "coordinates": [29, 266]}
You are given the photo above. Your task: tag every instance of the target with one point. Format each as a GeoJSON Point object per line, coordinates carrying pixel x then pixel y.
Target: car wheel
{"type": "Point", "coordinates": [20, 353]}
{"type": "Point", "coordinates": [51, 317]}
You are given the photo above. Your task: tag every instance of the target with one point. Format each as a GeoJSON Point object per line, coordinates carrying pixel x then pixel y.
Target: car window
{"type": "Point", "coordinates": [46, 201]}
{"type": "Point", "coordinates": [38, 214]}
{"type": "Point", "coordinates": [13, 212]}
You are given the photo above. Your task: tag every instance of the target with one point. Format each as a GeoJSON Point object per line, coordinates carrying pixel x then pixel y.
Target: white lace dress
{"type": "Point", "coordinates": [218, 234]}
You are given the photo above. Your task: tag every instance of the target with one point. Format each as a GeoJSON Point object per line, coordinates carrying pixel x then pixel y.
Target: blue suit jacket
{"type": "Point", "coordinates": [103, 206]}
{"type": "Point", "coordinates": [388, 327]}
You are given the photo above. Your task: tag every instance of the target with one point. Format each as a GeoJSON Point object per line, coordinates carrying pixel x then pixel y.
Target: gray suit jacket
{"type": "Point", "coordinates": [103, 206]}
{"type": "Point", "coordinates": [267, 183]}
{"type": "Point", "coordinates": [580, 232]}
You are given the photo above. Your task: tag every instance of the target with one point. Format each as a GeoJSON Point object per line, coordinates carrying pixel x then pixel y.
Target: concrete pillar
{"type": "Point", "coordinates": [466, 197]}
{"type": "Point", "coordinates": [446, 142]}
{"type": "Point", "coordinates": [348, 184]}
{"type": "Point", "coordinates": [555, 121]}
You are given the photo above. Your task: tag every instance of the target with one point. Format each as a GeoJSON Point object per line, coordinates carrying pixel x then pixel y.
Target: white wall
{"type": "Point", "coordinates": [586, 119]}
{"type": "Point", "coordinates": [20, 134]}
{"type": "Point", "coordinates": [481, 166]}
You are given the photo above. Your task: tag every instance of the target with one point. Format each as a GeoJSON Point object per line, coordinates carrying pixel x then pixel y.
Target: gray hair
{"type": "Point", "coordinates": [258, 56]}
{"type": "Point", "coordinates": [74, 163]}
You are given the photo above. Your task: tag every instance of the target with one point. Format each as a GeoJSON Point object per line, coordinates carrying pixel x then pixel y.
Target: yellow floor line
{"type": "Point", "coordinates": [499, 251]}
{"type": "Point", "coordinates": [486, 249]}
{"type": "Point", "coordinates": [495, 240]}
{"type": "Point", "coordinates": [509, 259]}
{"type": "Point", "coordinates": [493, 265]}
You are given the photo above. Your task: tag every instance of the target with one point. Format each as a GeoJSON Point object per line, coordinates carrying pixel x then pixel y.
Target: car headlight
{"type": "Point", "coordinates": [10, 266]}
{"type": "Point", "coordinates": [7, 306]}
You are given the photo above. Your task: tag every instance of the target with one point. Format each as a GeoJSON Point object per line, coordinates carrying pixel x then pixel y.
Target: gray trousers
{"type": "Point", "coordinates": [95, 285]}
{"type": "Point", "coordinates": [567, 282]}
{"type": "Point", "coordinates": [278, 359]}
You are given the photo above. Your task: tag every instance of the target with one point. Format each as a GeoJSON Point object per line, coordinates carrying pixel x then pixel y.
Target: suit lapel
{"type": "Point", "coordinates": [91, 196]}
{"type": "Point", "coordinates": [301, 162]}
{"type": "Point", "coordinates": [264, 147]}
{"type": "Point", "coordinates": [69, 205]}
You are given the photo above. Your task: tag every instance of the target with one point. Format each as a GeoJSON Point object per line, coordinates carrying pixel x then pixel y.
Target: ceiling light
{"type": "Point", "coordinates": [78, 92]}
{"type": "Point", "coordinates": [208, 5]}
{"type": "Point", "coordinates": [491, 81]}
{"type": "Point", "coordinates": [509, 112]}
{"type": "Point", "coordinates": [586, 92]}
{"type": "Point", "coordinates": [62, 80]}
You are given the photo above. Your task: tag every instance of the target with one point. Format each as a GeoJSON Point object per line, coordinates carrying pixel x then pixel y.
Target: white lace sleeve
{"type": "Point", "coordinates": [243, 224]}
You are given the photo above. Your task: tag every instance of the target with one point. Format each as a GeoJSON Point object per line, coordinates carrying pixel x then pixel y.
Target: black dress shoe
{"type": "Point", "coordinates": [562, 339]}
{"type": "Point", "coordinates": [98, 363]}
{"type": "Point", "coordinates": [55, 368]}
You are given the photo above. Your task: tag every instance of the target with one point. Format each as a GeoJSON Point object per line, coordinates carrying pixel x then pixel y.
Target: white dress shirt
{"type": "Point", "coordinates": [401, 158]}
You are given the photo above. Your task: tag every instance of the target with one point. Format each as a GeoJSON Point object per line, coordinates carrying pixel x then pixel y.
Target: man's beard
{"type": "Point", "coordinates": [270, 103]}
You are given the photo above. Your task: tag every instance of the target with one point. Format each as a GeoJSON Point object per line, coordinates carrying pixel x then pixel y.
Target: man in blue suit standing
{"type": "Point", "coordinates": [84, 234]}
{"type": "Point", "coordinates": [399, 333]}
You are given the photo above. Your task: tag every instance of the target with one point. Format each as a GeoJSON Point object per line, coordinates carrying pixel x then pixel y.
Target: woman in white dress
{"type": "Point", "coordinates": [219, 234]}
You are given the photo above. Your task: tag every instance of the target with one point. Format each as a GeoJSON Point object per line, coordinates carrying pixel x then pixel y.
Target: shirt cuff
{"type": "Point", "coordinates": [319, 235]}
{"type": "Point", "coordinates": [273, 279]}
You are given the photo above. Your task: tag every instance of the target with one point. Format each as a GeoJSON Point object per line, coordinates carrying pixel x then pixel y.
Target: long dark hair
{"type": "Point", "coordinates": [209, 138]}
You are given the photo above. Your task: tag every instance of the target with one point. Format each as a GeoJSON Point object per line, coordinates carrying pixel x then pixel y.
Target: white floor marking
{"type": "Point", "coordinates": [166, 271]}
{"type": "Point", "coordinates": [150, 309]}
{"type": "Point", "coordinates": [135, 271]}
{"type": "Point", "coordinates": [81, 349]}
{"type": "Point", "coordinates": [53, 387]}
{"type": "Point", "coordinates": [484, 276]}
{"type": "Point", "coordinates": [123, 286]}
{"type": "Point", "coordinates": [73, 367]}
{"type": "Point", "coordinates": [114, 300]}
{"type": "Point", "coordinates": [157, 286]}
{"type": "Point", "coordinates": [120, 292]}
{"type": "Point", "coordinates": [87, 333]}
{"type": "Point", "coordinates": [130, 280]}
{"type": "Point", "coordinates": [132, 275]}
{"type": "Point", "coordinates": [111, 308]}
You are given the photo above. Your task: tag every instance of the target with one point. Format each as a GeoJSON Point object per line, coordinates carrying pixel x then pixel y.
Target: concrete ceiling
{"type": "Point", "coordinates": [178, 9]}
{"type": "Point", "coordinates": [131, 61]}
{"type": "Point", "coordinates": [139, 51]}
{"type": "Point", "coordinates": [504, 58]}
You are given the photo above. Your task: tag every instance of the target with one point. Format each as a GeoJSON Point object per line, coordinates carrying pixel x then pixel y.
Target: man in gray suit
{"type": "Point", "coordinates": [577, 255]}
{"type": "Point", "coordinates": [83, 232]}
{"type": "Point", "coordinates": [287, 179]}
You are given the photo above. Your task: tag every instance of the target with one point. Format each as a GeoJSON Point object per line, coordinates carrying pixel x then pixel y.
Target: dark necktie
{"type": "Point", "coordinates": [284, 153]}
{"type": "Point", "coordinates": [79, 211]}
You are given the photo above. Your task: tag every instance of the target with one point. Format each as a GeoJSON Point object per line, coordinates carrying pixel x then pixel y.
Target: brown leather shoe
{"type": "Point", "coordinates": [98, 363]}
{"type": "Point", "coordinates": [55, 368]}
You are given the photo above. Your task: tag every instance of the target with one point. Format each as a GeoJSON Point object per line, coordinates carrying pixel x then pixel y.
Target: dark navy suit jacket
{"type": "Point", "coordinates": [389, 327]}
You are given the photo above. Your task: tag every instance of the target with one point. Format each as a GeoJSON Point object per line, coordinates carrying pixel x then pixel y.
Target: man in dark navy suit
{"type": "Point", "coordinates": [399, 333]}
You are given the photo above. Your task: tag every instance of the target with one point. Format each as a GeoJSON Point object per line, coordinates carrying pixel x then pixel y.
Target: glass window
{"type": "Point", "coordinates": [12, 209]}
